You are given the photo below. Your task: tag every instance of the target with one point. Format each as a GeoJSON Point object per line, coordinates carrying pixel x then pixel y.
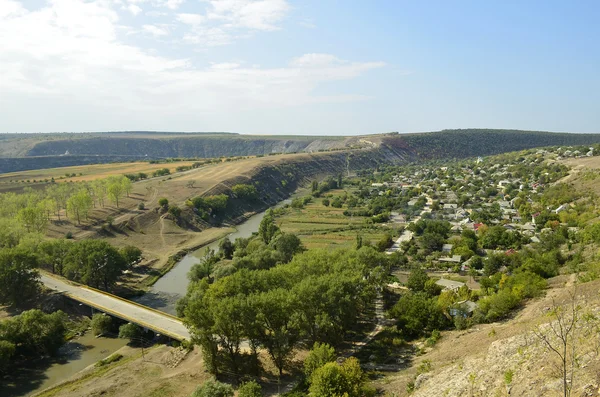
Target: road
{"type": "Point", "coordinates": [162, 323]}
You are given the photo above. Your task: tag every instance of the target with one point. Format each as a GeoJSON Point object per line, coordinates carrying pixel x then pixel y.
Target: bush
{"type": "Point", "coordinates": [250, 389]}
{"type": "Point", "coordinates": [101, 324]}
{"type": "Point", "coordinates": [113, 358]}
{"type": "Point", "coordinates": [213, 388]}
{"type": "Point", "coordinates": [175, 211]}
{"type": "Point", "coordinates": [163, 202]}
{"type": "Point", "coordinates": [141, 206]}
{"type": "Point", "coordinates": [131, 254]}
{"type": "Point", "coordinates": [325, 202]}
{"type": "Point", "coordinates": [320, 354]}
{"type": "Point", "coordinates": [130, 331]}
{"type": "Point", "coordinates": [69, 236]}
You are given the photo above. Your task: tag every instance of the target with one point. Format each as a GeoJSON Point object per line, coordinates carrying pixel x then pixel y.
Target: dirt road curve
{"type": "Point", "coordinates": [121, 308]}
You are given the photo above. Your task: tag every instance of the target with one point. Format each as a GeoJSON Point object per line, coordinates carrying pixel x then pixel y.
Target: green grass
{"type": "Point", "coordinates": [319, 226]}
{"type": "Point", "coordinates": [113, 358]}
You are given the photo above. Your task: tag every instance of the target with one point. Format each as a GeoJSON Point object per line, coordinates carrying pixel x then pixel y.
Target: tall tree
{"type": "Point", "coordinates": [19, 279]}
{"type": "Point", "coordinates": [79, 205]}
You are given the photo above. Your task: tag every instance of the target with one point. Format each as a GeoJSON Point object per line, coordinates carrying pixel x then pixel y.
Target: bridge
{"type": "Point", "coordinates": [157, 321]}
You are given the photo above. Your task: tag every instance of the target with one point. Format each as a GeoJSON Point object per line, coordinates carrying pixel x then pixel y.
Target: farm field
{"type": "Point", "coordinates": [21, 179]}
{"type": "Point", "coordinates": [320, 226]}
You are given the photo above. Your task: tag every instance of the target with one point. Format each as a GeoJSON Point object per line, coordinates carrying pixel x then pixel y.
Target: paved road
{"type": "Point", "coordinates": [122, 308]}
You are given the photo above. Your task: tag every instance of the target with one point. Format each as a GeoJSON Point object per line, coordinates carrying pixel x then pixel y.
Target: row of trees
{"type": "Point", "coordinates": [34, 209]}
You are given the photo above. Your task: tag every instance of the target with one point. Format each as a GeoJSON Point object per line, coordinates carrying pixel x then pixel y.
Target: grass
{"type": "Point", "coordinates": [113, 358]}
{"type": "Point", "coordinates": [319, 226]}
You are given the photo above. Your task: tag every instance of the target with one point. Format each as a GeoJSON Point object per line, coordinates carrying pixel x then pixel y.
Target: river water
{"type": "Point", "coordinates": [74, 356]}
{"type": "Point", "coordinates": [165, 293]}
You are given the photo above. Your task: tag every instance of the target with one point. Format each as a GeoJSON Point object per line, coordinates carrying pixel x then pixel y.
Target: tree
{"type": "Point", "coordinates": [417, 279]}
{"type": "Point", "coordinates": [325, 202]}
{"type": "Point", "coordinates": [385, 243]}
{"type": "Point", "coordinates": [226, 248]}
{"type": "Point", "coordinates": [131, 255]}
{"type": "Point", "coordinates": [280, 330]}
{"type": "Point", "coordinates": [79, 205]}
{"type": "Point", "coordinates": [35, 333]}
{"type": "Point", "coordinates": [127, 185]}
{"type": "Point", "coordinates": [213, 388]}
{"type": "Point", "coordinates": [268, 228]}
{"type": "Point", "coordinates": [101, 324]}
{"type": "Point", "coordinates": [19, 278]}
{"type": "Point", "coordinates": [7, 351]}
{"type": "Point", "coordinates": [163, 202]}
{"type": "Point", "coordinates": [333, 380]}
{"type": "Point", "coordinates": [287, 244]}
{"type": "Point", "coordinates": [95, 263]}
{"type": "Point", "coordinates": [250, 389]}
{"type": "Point", "coordinates": [115, 189]}
{"type": "Point", "coordinates": [33, 218]}
{"type": "Point", "coordinates": [130, 331]}
{"type": "Point", "coordinates": [560, 338]}
{"type": "Point", "coordinates": [52, 254]}
{"type": "Point", "coordinates": [320, 354]}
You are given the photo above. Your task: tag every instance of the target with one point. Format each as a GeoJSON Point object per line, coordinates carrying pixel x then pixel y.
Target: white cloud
{"type": "Point", "coordinates": [172, 4]}
{"type": "Point", "coordinates": [191, 19]}
{"type": "Point", "coordinates": [134, 10]}
{"type": "Point", "coordinates": [155, 31]}
{"type": "Point", "coordinates": [69, 53]}
{"type": "Point", "coordinates": [227, 20]}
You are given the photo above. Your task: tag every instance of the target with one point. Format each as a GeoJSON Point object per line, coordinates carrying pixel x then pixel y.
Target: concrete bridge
{"type": "Point", "coordinates": [157, 321]}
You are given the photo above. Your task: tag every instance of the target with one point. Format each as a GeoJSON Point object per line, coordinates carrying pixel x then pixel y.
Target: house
{"type": "Point", "coordinates": [561, 208]}
{"type": "Point", "coordinates": [464, 308]}
{"type": "Point", "coordinates": [447, 248]}
{"type": "Point", "coordinates": [450, 207]}
{"type": "Point", "coordinates": [449, 285]}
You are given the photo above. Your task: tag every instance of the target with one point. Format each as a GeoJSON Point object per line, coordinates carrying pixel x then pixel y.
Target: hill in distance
{"type": "Point", "coordinates": [35, 151]}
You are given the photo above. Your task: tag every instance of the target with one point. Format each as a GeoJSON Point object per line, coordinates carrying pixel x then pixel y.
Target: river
{"type": "Point", "coordinates": [165, 293]}
{"type": "Point", "coordinates": [73, 356]}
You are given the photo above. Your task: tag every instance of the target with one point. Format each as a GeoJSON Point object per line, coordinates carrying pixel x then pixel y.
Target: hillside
{"type": "Point", "coordinates": [32, 151]}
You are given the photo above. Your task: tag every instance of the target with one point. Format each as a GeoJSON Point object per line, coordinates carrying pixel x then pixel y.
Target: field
{"type": "Point", "coordinates": [16, 180]}
{"type": "Point", "coordinates": [319, 226]}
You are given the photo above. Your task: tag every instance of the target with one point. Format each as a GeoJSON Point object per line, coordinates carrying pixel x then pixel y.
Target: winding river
{"type": "Point", "coordinates": [165, 293]}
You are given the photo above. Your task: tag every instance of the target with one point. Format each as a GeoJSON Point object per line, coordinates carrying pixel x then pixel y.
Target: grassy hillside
{"type": "Point", "coordinates": [35, 151]}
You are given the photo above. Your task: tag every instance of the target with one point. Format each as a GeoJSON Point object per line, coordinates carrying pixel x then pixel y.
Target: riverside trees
{"type": "Point", "coordinates": [316, 297]}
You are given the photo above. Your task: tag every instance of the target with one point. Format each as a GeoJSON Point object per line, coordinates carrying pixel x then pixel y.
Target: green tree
{"type": "Point", "coordinates": [250, 389]}
{"type": "Point", "coordinates": [320, 354]}
{"type": "Point", "coordinates": [101, 324]}
{"type": "Point", "coordinates": [417, 279]}
{"type": "Point", "coordinates": [163, 202]}
{"type": "Point", "coordinates": [287, 245]}
{"type": "Point", "coordinates": [52, 254]}
{"type": "Point", "coordinates": [213, 388]}
{"type": "Point", "coordinates": [226, 248]}
{"type": "Point", "coordinates": [115, 189]}
{"type": "Point", "coordinates": [79, 205]}
{"type": "Point", "coordinates": [95, 263]}
{"type": "Point", "coordinates": [130, 331]}
{"type": "Point", "coordinates": [131, 255]}
{"type": "Point", "coordinates": [127, 185]}
{"type": "Point", "coordinates": [33, 218]}
{"type": "Point", "coordinates": [19, 278]}
{"type": "Point", "coordinates": [35, 333]}
{"type": "Point", "coordinates": [268, 228]}
{"type": "Point", "coordinates": [7, 351]}
{"type": "Point", "coordinates": [325, 202]}
{"type": "Point", "coordinates": [334, 380]}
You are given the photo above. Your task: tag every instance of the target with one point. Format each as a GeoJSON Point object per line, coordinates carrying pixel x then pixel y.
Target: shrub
{"type": "Point", "coordinates": [163, 202]}
{"type": "Point", "coordinates": [141, 206]}
{"type": "Point", "coordinates": [250, 389]}
{"type": "Point", "coordinates": [325, 202]}
{"type": "Point", "coordinates": [69, 235]}
{"type": "Point", "coordinates": [213, 388]}
{"type": "Point", "coordinates": [175, 211]}
{"type": "Point", "coordinates": [320, 354]}
{"type": "Point", "coordinates": [113, 358]}
{"type": "Point", "coordinates": [101, 324]}
{"type": "Point", "coordinates": [130, 331]}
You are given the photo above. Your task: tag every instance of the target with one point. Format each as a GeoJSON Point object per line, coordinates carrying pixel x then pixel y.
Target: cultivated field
{"type": "Point", "coordinates": [319, 226]}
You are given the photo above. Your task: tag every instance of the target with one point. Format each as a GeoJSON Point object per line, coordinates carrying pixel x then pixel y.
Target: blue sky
{"type": "Point", "coordinates": [298, 67]}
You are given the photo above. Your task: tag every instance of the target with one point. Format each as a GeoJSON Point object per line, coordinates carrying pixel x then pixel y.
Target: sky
{"type": "Point", "coordinates": [311, 67]}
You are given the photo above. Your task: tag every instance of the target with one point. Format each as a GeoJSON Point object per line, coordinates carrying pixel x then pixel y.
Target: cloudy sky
{"type": "Point", "coordinates": [298, 67]}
